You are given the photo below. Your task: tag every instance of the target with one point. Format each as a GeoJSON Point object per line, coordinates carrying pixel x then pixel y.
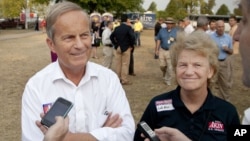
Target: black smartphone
{"type": "Point", "coordinates": [147, 131]}
{"type": "Point", "coordinates": [61, 107]}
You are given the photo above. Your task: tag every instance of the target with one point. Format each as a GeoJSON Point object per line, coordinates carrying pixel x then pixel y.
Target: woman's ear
{"type": "Point", "coordinates": [51, 45]}
{"type": "Point", "coordinates": [211, 72]}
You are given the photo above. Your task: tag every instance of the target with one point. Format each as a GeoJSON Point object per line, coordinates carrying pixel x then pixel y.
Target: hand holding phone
{"type": "Point", "coordinates": [147, 131]}
{"type": "Point", "coordinates": [60, 108]}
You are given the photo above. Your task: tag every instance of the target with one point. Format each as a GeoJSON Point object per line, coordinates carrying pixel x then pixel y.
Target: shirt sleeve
{"type": "Point", "coordinates": [30, 113]}
{"type": "Point", "coordinates": [117, 103]}
{"type": "Point", "coordinates": [149, 116]}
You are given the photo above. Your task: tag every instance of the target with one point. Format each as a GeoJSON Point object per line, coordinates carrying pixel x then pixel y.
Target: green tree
{"type": "Point", "coordinates": [223, 10]}
{"type": "Point", "coordinates": [114, 6]}
{"type": "Point", "coordinates": [206, 8]}
{"type": "Point", "coordinates": [12, 8]}
{"type": "Point", "coordinates": [176, 9]}
{"type": "Point", "coordinates": [152, 7]}
{"type": "Point", "coordinates": [237, 12]}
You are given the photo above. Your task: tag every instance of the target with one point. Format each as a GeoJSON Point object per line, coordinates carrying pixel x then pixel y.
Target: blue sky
{"type": "Point", "coordinates": [161, 4]}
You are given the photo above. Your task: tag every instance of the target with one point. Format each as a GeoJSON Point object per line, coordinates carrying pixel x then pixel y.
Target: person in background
{"type": "Point", "coordinates": [108, 47]}
{"type": "Point", "coordinates": [202, 24]}
{"type": "Point", "coordinates": [115, 24]}
{"type": "Point", "coordinates": [188, 28]}
{"type": "Point", "coordinates": [225, 73]}
{"type": "Point", "coordinates": [131, 61]}
{"type": "Point", "coordinates": [43, 25]}
{"type": "Point", "coordinates": [138, 27]}
{"type": "Point", "coordinates": [123, 39]}
{"type": "Point", "coordinates": [95, 40]}
{"type": "Point", "coordinates": [156, 31]}
{"type": "Point", "coordinates": [191, 108]}
{"type": "Point", "coordinates": [37, 24]}
{"type": "Point", "coordinates": [165, 38]}
{"type": "Point", "coordinates": [180, 25]}
{"type": "Point", "coordinates": [234, 25]}
{"type": "Point", "coordinates": [101, 110]}
{"type": "Point", "coordinates": [212, 27]}
{"type": "Point", "coordinates": [103, 25]}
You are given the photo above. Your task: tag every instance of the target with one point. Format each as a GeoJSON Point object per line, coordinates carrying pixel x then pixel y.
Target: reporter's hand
{"type": "Point", "coordinates": [57, 131]}
{"type": "Point", "coordinates": [113, 121]}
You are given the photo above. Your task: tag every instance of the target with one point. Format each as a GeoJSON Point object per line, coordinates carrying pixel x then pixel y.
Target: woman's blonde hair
{"type": "Point", "coordinates": [199, 42]}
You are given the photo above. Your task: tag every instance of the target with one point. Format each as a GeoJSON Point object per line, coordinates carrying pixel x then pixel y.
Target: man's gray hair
{"type": "Point", "coordinates": [202, 21]}
{"type": "Point", "coordinates": [56, 11]}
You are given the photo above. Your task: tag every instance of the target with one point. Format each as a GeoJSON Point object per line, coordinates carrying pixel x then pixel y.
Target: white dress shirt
{"type": "Point", "coordinates": [98, 92]}
{"type": "Point", "coordinates": [189, 29]}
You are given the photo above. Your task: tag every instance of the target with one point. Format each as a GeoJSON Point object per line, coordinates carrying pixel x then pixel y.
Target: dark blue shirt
{"type": "Point", "coordinates": [209, 123]}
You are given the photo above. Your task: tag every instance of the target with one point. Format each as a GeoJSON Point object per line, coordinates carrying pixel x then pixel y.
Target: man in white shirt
{"type": "Point", "coordinates": [188, 28]}
{"type": "Point", "coordinates": [108, 47]}
{"type": "Point", "coordinates": [101, 110]}
{"type": "Point", "coordinates": [212, 27]}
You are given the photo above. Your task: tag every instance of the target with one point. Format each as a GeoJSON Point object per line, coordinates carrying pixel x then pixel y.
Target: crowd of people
{"type": "Point", "coordinates": [198, 58]}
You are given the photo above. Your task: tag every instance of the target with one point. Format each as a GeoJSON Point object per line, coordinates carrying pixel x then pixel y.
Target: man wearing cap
{"type": "Point", "coordinates": [165, 38]}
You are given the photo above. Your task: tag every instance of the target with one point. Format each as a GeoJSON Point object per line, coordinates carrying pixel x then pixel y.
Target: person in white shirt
{"type": "Point", "coordinates": [188, 28]}
{"type": "Point", "coordinates": [101, 110]}
{"type": "Point", "coordinates": [108, 47]}
{"type": "Point", "coordinates": [212, 27]}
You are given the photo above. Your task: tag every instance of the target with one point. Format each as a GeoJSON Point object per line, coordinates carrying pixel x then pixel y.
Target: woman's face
{"type": "Point", "coordinates": [193, 71]}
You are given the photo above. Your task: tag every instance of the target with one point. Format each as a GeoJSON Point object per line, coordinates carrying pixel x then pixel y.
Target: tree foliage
{"type": "Point", "coordinates": [152, 7]}
{"type": "Point", "coordinates": [223, 10]}
{"type": "Point", "coordinates": [237, 12]}
{"type": "Point", "coordinates": [206, 7]}
{"type": "Point", "coordinates": [12, 8]}
{"type": "Point", "coordinates": [117, 6]}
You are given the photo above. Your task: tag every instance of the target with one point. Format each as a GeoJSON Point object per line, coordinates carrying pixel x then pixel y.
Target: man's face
{"type": "Point", "coordinates": [245, 42]}
{"type": "Point", "coordinates": [220, 27]}
{"type": "Point", "coordinates": [72, 41]}
{"type": "Point", "coordinates": [212, 26]}
{"type": "Point", "coordinates": [232, 22]}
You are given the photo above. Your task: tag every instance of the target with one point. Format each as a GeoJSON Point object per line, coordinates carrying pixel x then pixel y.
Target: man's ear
{"type": "Point", "coordinates": [51, 45]}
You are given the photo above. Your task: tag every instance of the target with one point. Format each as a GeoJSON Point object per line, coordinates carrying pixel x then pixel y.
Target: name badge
{"type": "Point", "coordinates": [164, 105]}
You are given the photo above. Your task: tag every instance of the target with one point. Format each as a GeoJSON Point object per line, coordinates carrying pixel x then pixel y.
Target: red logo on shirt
{"type": "Point", "coordinates": [216, 126]}
{"type": "Point", "coordinates": [46, 107]}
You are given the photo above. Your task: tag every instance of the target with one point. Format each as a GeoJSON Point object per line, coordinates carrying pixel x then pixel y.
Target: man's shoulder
{"type": "Point", "coordinates": [99, 68]}
{"type": "Point", "coordinates": [44, 74]}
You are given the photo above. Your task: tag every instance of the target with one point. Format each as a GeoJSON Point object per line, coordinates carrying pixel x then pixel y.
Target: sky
{"type": "Point", "coordinates": [162, 4]}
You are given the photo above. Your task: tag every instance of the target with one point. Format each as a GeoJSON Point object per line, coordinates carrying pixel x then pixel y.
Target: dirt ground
{"type": "Point", "coordinates": [21, 57]}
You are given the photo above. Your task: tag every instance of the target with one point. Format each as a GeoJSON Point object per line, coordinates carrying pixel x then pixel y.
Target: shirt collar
{"type": "Point", "coordinates": [219, 35]}
{"type": "Point", "coordinates": [207, 105]}
{"type": "Point", "coordinates": [91, 71]}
